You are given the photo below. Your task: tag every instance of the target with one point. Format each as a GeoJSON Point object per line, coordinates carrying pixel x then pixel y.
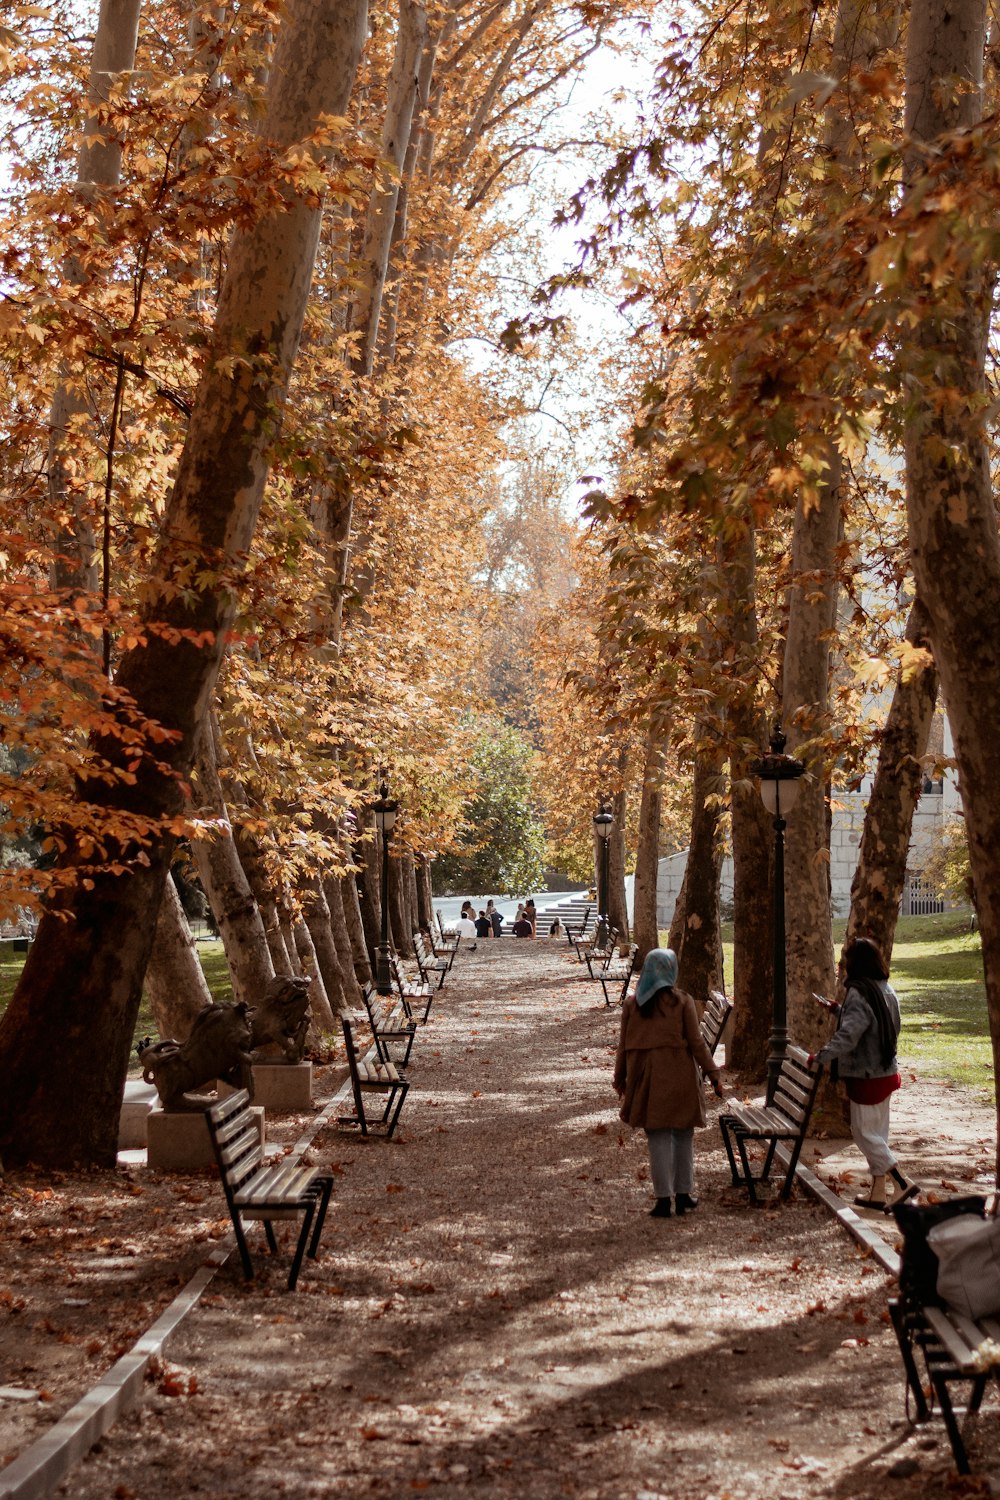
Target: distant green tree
{"type": "Point", "coordinates": [503, 846]}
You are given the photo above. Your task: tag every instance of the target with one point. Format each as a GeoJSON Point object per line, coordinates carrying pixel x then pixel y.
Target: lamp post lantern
{"type": "Point", "coordinates": [385, 811]}
{"type": "Point", "coordinates": [603, 823]}
{"type": "Point", "coordinates": [778, 782]}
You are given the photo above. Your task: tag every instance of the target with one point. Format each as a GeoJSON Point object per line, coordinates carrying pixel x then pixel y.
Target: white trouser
{"type": "Point", "coordinates": [870, 1131]}
{"type": "Point", "coordinates": [671, 1161]}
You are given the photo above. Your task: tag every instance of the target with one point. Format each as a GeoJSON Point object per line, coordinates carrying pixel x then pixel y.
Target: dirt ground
{"type": "Point", "coordinates": [492, 1310]}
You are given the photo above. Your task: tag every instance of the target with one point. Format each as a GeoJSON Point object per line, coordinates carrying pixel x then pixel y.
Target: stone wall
{"type": "Point", "coordinates": [933, 809]}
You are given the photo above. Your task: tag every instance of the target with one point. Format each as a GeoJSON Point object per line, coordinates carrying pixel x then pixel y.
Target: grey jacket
{"type": "Point", "coordinates": [854, 1045]}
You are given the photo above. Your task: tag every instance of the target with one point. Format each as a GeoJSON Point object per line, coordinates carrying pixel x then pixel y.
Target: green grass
{"type": "Point", "coordinates": [213, 961]}
{"type": "Point", "coordinates": [937, 972]}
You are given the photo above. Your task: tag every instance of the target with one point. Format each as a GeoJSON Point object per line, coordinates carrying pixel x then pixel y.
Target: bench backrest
{"type": "Point", "coordinates": [715, 1019]}
{"type": "Point", "coordinates": [797, 1086]}
{"type": "Point", "coordinates": [580, 927]}
{"type": "Point", "coordinates": [236, 1140]}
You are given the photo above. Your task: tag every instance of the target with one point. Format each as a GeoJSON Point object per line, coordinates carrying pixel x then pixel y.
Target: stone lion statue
{"type": "Point", "coordinates": [280, 1023]}
{"type": "Point", "coordinates": [219, 1047]}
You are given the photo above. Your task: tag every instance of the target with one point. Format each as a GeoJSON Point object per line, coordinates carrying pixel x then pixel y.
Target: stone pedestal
{"type": "Point", "coordinates": [137, 1105]}
{"type": "Point", "coordinates": [181, 1142]}
{"type": "Point", "coordinates": [283, 1088]}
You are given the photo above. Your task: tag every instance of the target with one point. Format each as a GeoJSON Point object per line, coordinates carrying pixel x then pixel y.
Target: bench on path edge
{"type": "Point", "coordinates": [440, 945]}
{"type": "Point", "coordinates": [715, 1019]}
{"type": "Point", "coordinates": [390, 1022]}
{"type": "Point", "coordinates": [370, 1075]}
{"type": "Point", "coordinates": [952, 1344]}
{"type": "Point", "coordinates": [785, 1119]}
{"type": "Point", "coordinates": [427, 963]}
{"type": "Point", "coordinates": [413, 994]}
{"type": "Point", "coordinates": [616, 974]}
{"type": "Point", "coordinates": [577, 931]}
{"type": "Point", "coordinates": [255, 1189]}
{"type": "Point", "coordinates": [590, 953]}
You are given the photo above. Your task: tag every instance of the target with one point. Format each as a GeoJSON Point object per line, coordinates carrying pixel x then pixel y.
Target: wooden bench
{"type": "Point", "coordinates": [441, 946]}
{"type": "Point", "coordinates": [616, 976]}
{"type": "Point", "coordinates": [415, 996]}
{"type": "Point", "coordinates": [392, 1024]}
{"type": "Point", "coordinates": [371, 1075]}
{"type": "Point", "coordinates": [955, 1348]}
{"type": "Point", "coordinates": [576, 932]}
{"type": "Point", "coordinates": [953, 1351]}
{"type": "Point", "coordinates": [785, 1119]}
{"type": "Point", "coordinates": [715, 1019]}
{"type": "Point", "coordinates": [599, 953]}
{"type": "Point", "coordinates": [256, 1189]}
{"type": "Point", "coordinates": [427, 963]}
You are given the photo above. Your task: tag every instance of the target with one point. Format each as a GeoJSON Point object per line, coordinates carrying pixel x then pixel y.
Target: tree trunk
{"type": "Point", "coordinates": [175, 980]}
{"type": "Point", "coordinates": [342, 940]}
{"type": "Point", "coordinates": [98, 166]}
{"type": "Point", "coordinates": [877, 887]}
{"type": "Point", "coordinates": [316, 913]}
{"type": "Point", "coordinates": [369, 879]}
{"type": "Point", "coordinates": [412, 892]}
{"type": "Point", "coordinates": [617, 903]}
{"type": "Point", "coordinates": [950, 504]}
{"type": "Point", "coordinates": [399, 922]}
{"type": "Point", "coordinates": [752, 835]}
{"type": "Point", "coordinates": [695, 933]}
{"type": "Point", "coordinates": [225, 883]}
{"type": "Point", "coordinates": [255, 868]}
{"type": "Point", "coordinates": [355, 927]}
{"type": "Point", "coordinates": [319, 1000]}
{"type": "Point", "coordinates": [805, 705]}
{"type": "Point", "coordinates": [645, 930]}
{"type": "Point", "coordinates": [425, 897]}
{"type": "Point", "coordinates": [83, 978]}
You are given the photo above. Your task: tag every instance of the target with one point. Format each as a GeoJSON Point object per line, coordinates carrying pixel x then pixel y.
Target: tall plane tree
{"type": "Point", "coordinates": [83, 979]}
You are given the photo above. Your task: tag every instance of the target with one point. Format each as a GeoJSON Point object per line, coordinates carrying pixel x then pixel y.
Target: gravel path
{"type": "Point", "coordinates": [494, 1311]}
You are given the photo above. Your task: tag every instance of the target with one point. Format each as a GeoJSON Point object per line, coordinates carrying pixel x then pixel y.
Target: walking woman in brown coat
{"type": "Point", "coordinates": [660, 1052]}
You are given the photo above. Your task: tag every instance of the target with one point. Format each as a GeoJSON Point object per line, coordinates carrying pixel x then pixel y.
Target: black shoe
{"type": "Point", "coordinates": [660, 1209]}
{"type": "Point", "coordinates": [684, 1202]}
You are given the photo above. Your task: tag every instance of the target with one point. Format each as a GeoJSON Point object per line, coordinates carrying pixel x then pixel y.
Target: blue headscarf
{"type": "Point", "coordinates": [659, 972]}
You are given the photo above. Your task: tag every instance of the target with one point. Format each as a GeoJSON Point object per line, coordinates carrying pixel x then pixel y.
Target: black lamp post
{"type": "Point", "coordinates": [778, 776]}
{"type": "Point", "coordinates": [603, 823]}
{"type": "Point", "coordinates": [385, 816]}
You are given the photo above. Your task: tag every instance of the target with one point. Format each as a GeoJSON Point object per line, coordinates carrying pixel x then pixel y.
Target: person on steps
{"type": "Point", "coordinates": [863, 1048]}
{"type": "Point", "coordinates": [660, 1052]}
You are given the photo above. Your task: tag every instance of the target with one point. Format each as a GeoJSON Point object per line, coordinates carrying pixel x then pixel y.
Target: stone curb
{"type": "Point", "coordinates": [853, 1223]}
{"type": "Point", "coordinates": [35, 1473]}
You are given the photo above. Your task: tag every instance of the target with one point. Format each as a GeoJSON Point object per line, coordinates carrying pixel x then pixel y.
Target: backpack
{"type": "Point", "coordinates": [918, 1266]}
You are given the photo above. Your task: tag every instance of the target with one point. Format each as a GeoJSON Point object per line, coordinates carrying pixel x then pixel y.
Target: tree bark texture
{"type": "Point", "coordinates": [805, 713]}
{"type": "Point", "coordinates": [695, 933]}
{"type": "Point", "coordinates": [316, 913]}
{"type": "Point", "coordinates": [175, 980]}
{"type": "Point", "coordinates": [355, 928]}
{"type": "Point", "coordinates": [617, 904]}
{"type": "Point", "coordinates": [98, 166]}
{"type": "Point", "coordinates": [225, 883]}
{"type": "Point", "coordinates": [83, 978]}
{"type": "Point", "coordinates": [319, 1000]}
{"type": "Point", "coordinates": [369, 878]}
{"type": "Point", "coordinates": [645, 931]}
{"type": "Point", "coordinates": [399, 918]}
{"type": "Point", "coordinates": [950, 503]}
{"type": "Point", "coordinates": [751, 835]}
{"type": "Point", "coordinates": [877, 887]}
{"type": "Point", "coordinates": [425, 896]}
{"type": "Point", "coordinates": [342, 940]}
